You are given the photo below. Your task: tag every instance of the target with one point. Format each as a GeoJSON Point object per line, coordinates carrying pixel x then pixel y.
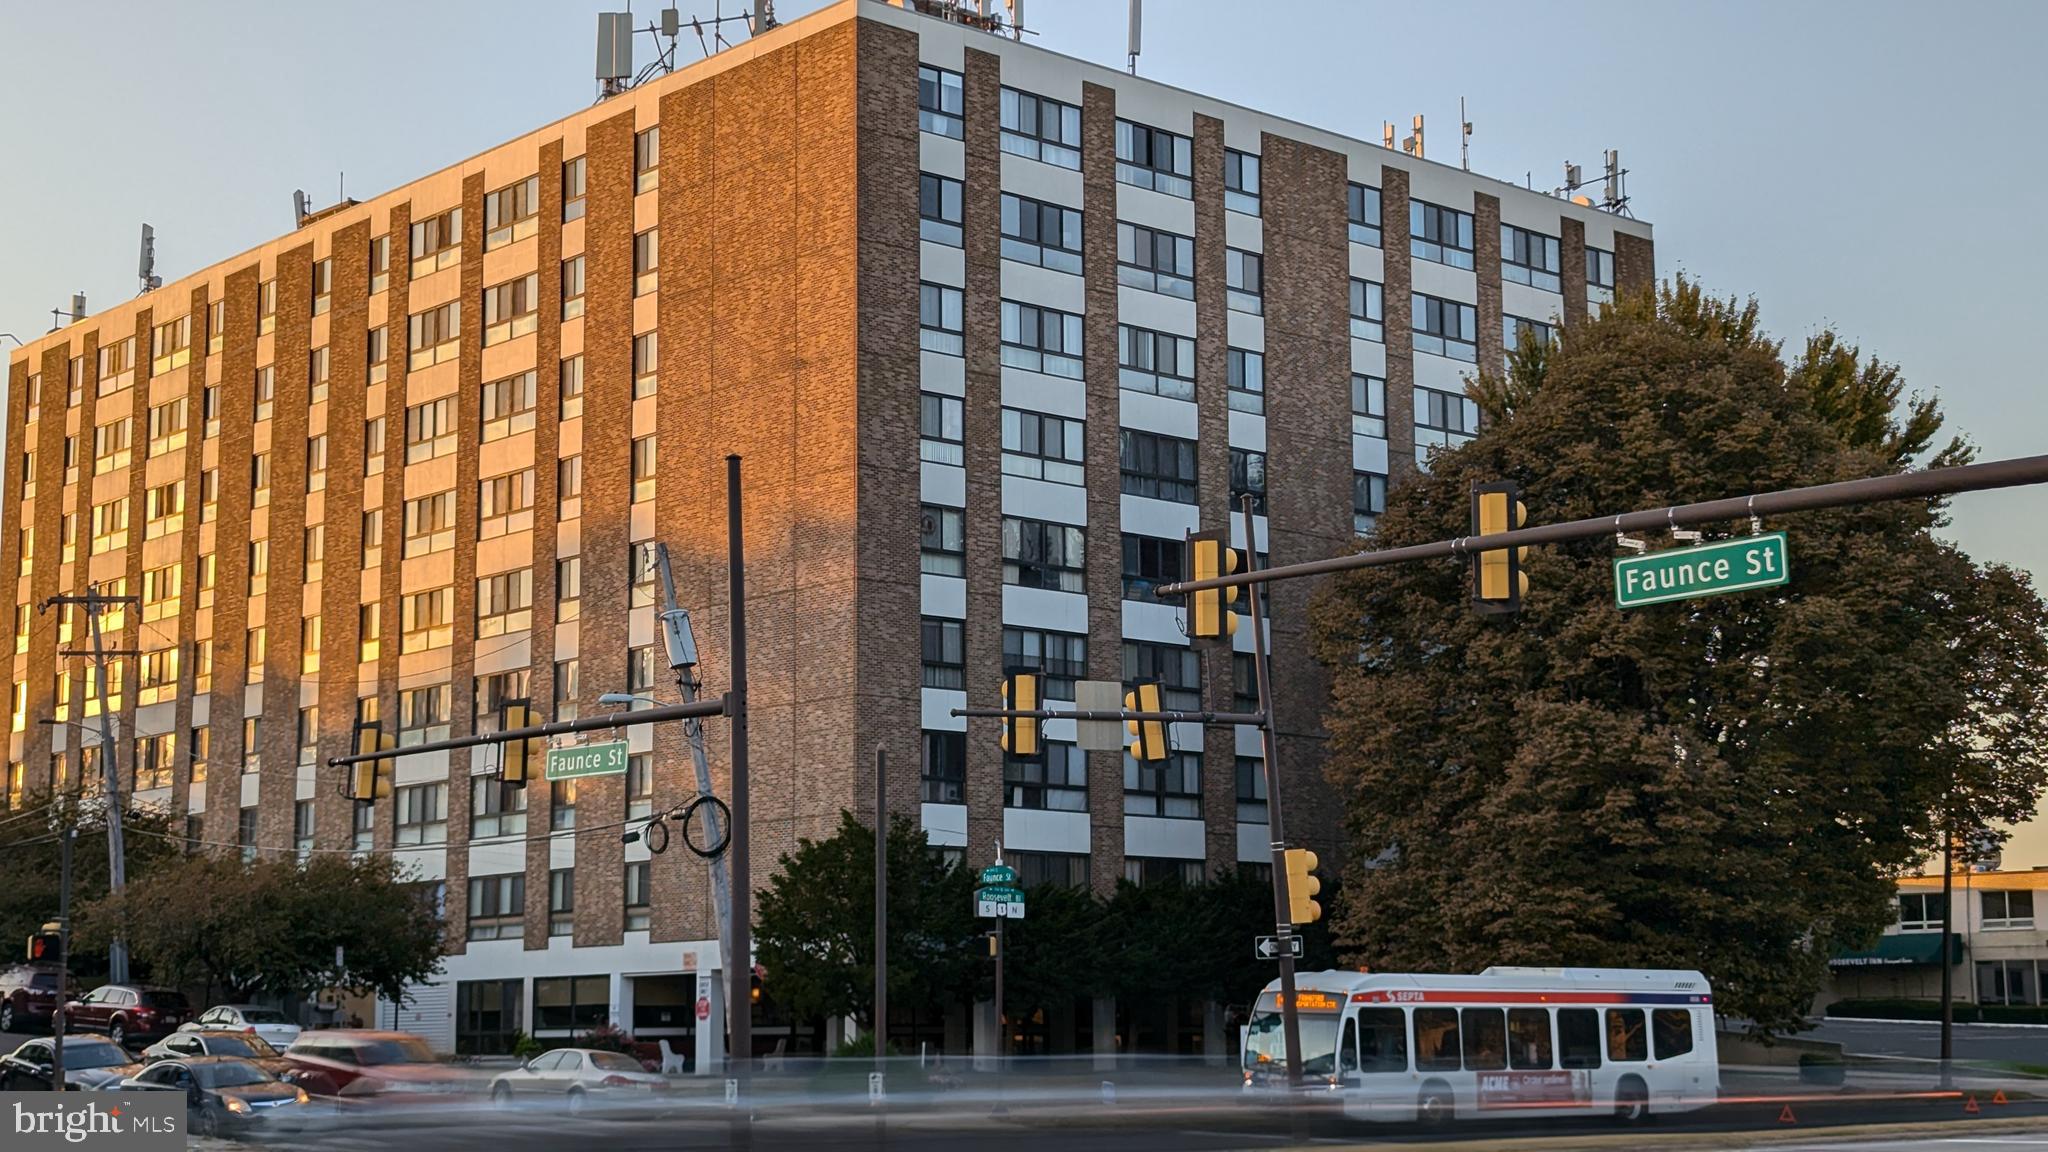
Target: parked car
{"type": "Point", "coordinates": [128, 1013]}
{"type": "Point", "coordinates": [223, 1095]}
{"type": "Point", "coordinates": [268, 1023]}
{"type": "Point", "coordinates": [359, 1062]}
{"type": "Point", "coordinates": [579, 1076]}
{"type": "Point", "coordinates": [28, 997]}
{"type": "Point", "coordinates": [89, 1062]}
{"type": "Point", "coordinates": [241, 1045]}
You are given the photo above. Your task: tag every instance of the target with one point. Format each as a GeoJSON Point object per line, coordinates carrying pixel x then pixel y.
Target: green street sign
{"type": "Point", "coordinates": [998, 874]}
{"type": "Point", "coordinates": [999, 902]}
{"type": "Point", "coordinates": [607, 759]}
{"type": "Point", "coordinates": [1734, 565]}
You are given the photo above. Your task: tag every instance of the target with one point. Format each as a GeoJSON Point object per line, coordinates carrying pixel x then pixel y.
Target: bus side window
{"type": "Point", "coordinates": [1578, 1038]}
{"type": "Point", "coordinates": [1671, 1028]}
{"type": "Point", "coordinates": [1528, 1039]}
{"type": "Point", "coordinates": [1383, 1040]}
{"type": "Point", "coordinates": [1347, 1047]}
{"type": "Point", "coordinates": [1625, 1038]}
{"type": "Point", "coordinates": [1436, 1039]}
{"type": "Point", "coordinates": [1486, 1039]}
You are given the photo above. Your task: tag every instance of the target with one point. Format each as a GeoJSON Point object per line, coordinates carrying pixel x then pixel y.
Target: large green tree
{"type": "Point", "coordinates": [31, 864]}
{"type": "Point", "coordinates": [1727, 784]}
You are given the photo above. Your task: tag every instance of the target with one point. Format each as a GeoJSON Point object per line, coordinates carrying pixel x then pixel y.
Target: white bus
{"type": "Point", "coordinates": [1509, 1041]}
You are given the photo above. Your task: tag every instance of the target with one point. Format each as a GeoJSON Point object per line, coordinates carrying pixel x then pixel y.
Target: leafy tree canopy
{"type": "Point", "coordinates": [29, 847]}
{"type": "Point", "coordinates": [1728, 784]}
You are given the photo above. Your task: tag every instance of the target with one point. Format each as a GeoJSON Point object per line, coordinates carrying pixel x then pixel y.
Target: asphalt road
{"type": "Point", "coordinates": [1973, 1042]}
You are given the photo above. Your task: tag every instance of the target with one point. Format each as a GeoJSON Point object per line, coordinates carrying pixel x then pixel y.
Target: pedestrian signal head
{"type": "Point", "coordinates": [1148, 737]}
{"type": "Point", "coordinates": [1302, 887]}
{"type": "Point", "coordinates": [1498, 581]}
{"type": "Point", "coordinates": [1209, 615]}
{"type": "Point", "coordinates": [1023, 690]}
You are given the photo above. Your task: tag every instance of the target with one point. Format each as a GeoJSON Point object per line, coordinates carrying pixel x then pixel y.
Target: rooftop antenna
{"type": "Point", "coordinates": [58, 317]}
{"type": "Point", "coordinates": [1465, 138]}
{"type": "Point", "coordinates": [764, 16]}
{"type": "Point", "coordinates": [145, 263]}
{"type": "Point", "coordinates": [1387, 135]}
{"type": "Point", "coordinates": [301, 206]}
{"type": "Point", "coordinates": [614, 53]}
{"type": "Point", "coordinates": [1137, 33]}
{"type": "Point", "coordinates": [1615, 198]}
{"type": "Point", "coordinates": [1412, 144]}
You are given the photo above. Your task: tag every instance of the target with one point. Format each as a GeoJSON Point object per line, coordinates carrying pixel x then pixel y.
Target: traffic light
{"type": "Point", "coordinates": [1148, 737]}
{"type": "Point", "coordinates": [754, 986]}
{"type": "Point", "coordinates": [45, 946]}
{"type": "Point", "coordinates": [520, 760]}
{"type": "Point", "coordinates": [1302, 887]}
{"type": "Point", "coordinates": [1210, 616]}
{"type": "Point", "coordinates": [370, 780]}
{"type": "Point", "coordinates": [1498, 582]}
{"type": "Point", "coordinates": [1023, 690]}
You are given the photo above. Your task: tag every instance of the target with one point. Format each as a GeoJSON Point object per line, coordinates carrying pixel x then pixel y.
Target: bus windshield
{"type": "Point", "coordinates": [1265, 1045]}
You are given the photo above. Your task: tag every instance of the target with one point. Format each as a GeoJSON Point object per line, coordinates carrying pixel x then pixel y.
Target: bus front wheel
{"type": "Point", "coordinates": [1631, 1101]}
{"type": "Point", "coordinates": [1436, 1107]}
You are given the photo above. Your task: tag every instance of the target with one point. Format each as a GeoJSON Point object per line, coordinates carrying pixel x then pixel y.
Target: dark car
{"type": "Point", "coordinates": [28, 997]}
{"type": "Point", "coordinates": [89, 1062]}
{"type": "Point", "coordinates": [223, 1095]}
{"type": "Point", "coordinates": [352, 1062]}
{"type": "Point", "coordinates": [128, 1013]}
{"type": "Point", "coordinates": [240, 1045]}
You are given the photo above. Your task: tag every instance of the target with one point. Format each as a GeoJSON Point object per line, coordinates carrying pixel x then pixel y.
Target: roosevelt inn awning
{"type": "Point", "coordinates": [1902, 948]}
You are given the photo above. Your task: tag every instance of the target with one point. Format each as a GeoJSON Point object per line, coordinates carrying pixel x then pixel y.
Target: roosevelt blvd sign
{"type": "Point", "coordinates": [1733, 565]}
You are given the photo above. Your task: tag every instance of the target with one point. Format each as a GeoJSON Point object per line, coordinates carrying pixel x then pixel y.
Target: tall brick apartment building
{"type": "Point", "coordinates": [992, 327]}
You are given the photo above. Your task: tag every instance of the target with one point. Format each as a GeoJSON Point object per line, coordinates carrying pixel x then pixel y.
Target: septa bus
{"type": "Point", "coordinates": [1507, 1042]}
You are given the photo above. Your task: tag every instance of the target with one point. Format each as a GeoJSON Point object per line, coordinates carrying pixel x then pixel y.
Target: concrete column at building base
{"type": "Point", "coordinates": [985, 1027]}
{"type": "Point", "coordinates": [711, 1029]}
{"type": "Point", "coordinates": [1215, 1044]}
{"type": "Point", "coordinates": [1103, 1031]}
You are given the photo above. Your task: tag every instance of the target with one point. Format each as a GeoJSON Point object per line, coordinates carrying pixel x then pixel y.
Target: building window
{"type": "Point", "coordinates": [647, 159]}
{"type": "Point", "coordinates": [216, 326]}
{"type": "Point", "coordinates": [644, 469]}
{"type": "Point", "coordinates": [945, 652]}
{"type": "Point", "coordinates": [512, 213]}
{"type": "Point", "coordinates": [1442, 420]}
{"type": "Point", "coordinates": [939, 320]}
{"type": "Point", "coordinates": [245, 833]}
{"type": "Point", "coordinates": [504, 603]}
{"type": "Point", "coordinates": [572, 189]}
{"type": "Point", "coordinates": [2013, 909]}
{"type": "Point", "coordinates": [1042, 447]}
{"type": "Point", "coordinates": [323, 285]}
{"type": "Point", "coordinates": [1178, 670]}
{"type": "Point", "coordinates": [420, 814]}
{"type": "Point", "coordinates": [1241, 181]}
{"type": "Point", "coordinates": [572, 287]}
{"type": "Point", "coordinates": [639, 785]}
{"type": "Point", "coordinates": [1441, 234]}
{"type": "Point", "coordinates": [643, 568]}
{"type": "Point", "coordinates": [266, 307]}
{"type": "Point", "coordinates": [380, 264]}
{"type": "Point", "coordinates": [1155, 261]}
{"type": "Point", "coordinates": [155, 756]}
{"type": "Point", "coordinates": [504, 504]}
{"type": "Point", "coordinates": [378, 351]}
{"type": "Point", "coordinates": [511, 309]}
{"type": "Point", "coordinates": [163, 510]}
{"type": "Point", "coordinates": [1516, 329]}
{"type": "Point", "coordinates": [1445, 327]}
{"type": "Point", "coordinates": [316, 463]}
{"type": "Point", "coordinates": [1171, 787]}
{"type": "Point", "coordinates": [571, 381]}
{"type": "Point", "coordinates": [1599, 268]}
{"type": "Point", "coordinates": [508, 406]}
{"type": "Point", "coordinates": [1529, 258]}
{"type": "Point", "coordinates": [112, 445]}
{"type": "Point", "coordinates": [1150, 561]}
{"type": "Point", "coordinates": [170, 346]}
{"type": "Point", "coordinates": [570, 1003]}
{"type": "Point", "coordinates": [561, 805]}
{"type": "Point", "coordinates": [568, 589]}
{"type": "Point", "coordinates": [1154, 158]}
{"type": "Point", "coordinates": [1251, 791]}
{"type": "Point", "coordinates": [1155, 466]}
{"type": "Point", "coordinates": [1041, 129]}
{"type": "Point", "coordinates": [496, 906]}
{"type": "Point", "coordinates": [109, 527]}
{"type": "Point", "coordinates": [422, 715]}
{"type": "Point", "coordinates": [1248, 478]}
{"type": "Point", "coordinates": [1247, 376]}
{"type": "Point", "coordinates": [941, 97]}
{"type": "Point", "coordinates": [569, 487]}
{"type": "Point", "coordinates": [940, 428]}
{"type": "Point", "coordinates": [1246, 279]}
{"type": "Point", "coordinates": [436, 243]}
{"type": "Point", "coordinates": [1919, 912]}
{"type": "Point", "coordinates": [259, 480]}
{"type": "Point", "coordinates": [434, 335]}
{"type": "Point", "coordinates": [363, 827]}
{"type": "Point", "coordinates": [373, 537]}
{"type": "Point", "coordinates": [369, 632]}
{"type": "Point", "coordinates": [562, 902]}
{"type": "Point", "coordinates": [1062, 657]}
{"type": "Point", "coordinates": [319, 372]}
{"type": "Point", "coordinates": [938, 209]}
{"type": "Point", "coordinates": [942, 773]}
{"type": "Point", "coordinates": [1037, 554]}
{"type": "Point", "coordinates": [2006, 982]}
{"type": "Point", "coordinates": [646, 364]}
{"type": "Point", "coordinates": [430, 430]}
{"type": "Point", "coordinates": [568, 688]}
{"type": "Point", "coordinates": [647, 262]}
{"type": "Point", "coordinates": [639, 899]}
{"type": "Point", "coordinates": [256, 648]}
{"type": "Point", "coordinates": [1156, 362]}
{"type": "Point", "coordinates": [429, 524]}
{"type": "Point", "coordinates": [309, 729]}
{"type": "Point", "coordinates": [426, 620]}
{"type": "Point", "coordinates": [943, 546]}
{"type": "Point", "coordinates": [1041, 340]}
{"type": "Point", "coordinates": [1368, 406]}
{"type": "Point", "coordinates": [1368, 311]}
{"type": "Point", "coordinates": [1035, 232]}
{"type": "Point", "coordinates": [495, 809]}
{"type": "Point", "coordinates": [1156, 871]}
{"type": "Point", "coordinates": [166, 430]}
{"type": "Point", "coordinates": [1368, 500]}
{"type": "Point", "coordinates": [1054, 782]}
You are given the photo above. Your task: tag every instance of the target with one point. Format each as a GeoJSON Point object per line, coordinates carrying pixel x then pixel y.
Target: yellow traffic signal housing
{"type": "Point", "coordinates": [1148, 737]}
{"type": "Point", "coordinates": [1210, 616]}
{"type": "Point", "coordinates": [1023, 690]}
{"type": "Point", "coordinates": [370, 780]}
{"type": "Point", "coordinates": [520, 760]}
{"type": "Point", "coordinates": [1302, 887]}
{"type": "Point", "coordinates": [1498, 581]}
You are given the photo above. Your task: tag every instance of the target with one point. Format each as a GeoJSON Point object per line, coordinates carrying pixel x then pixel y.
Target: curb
{"type": "Point", "coordinates": [1930, 1023]}
{"type": "Point", "coordinates": [1723, 1141]}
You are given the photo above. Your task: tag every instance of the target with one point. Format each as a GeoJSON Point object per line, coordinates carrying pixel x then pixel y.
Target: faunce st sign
{"type": "Point", "coordinates": [1734, 565]}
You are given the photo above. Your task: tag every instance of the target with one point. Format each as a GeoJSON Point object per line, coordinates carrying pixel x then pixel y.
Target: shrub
{"type": "Point", "coordinates": [607, 1038]}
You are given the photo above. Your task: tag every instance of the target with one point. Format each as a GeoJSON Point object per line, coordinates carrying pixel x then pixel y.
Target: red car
{"type": "Point", "coordinates": [351, 1062]}
{"type": "Point", "coordinates": [128, 1013]}
{"type": "Point", "coordinates": [28, 996]}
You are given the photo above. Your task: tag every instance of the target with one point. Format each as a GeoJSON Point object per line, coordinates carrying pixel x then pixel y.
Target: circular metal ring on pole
{"type": "Point", "coordinates": [656, 835]}
{"type": "Point", "coordinates": [710, 851]}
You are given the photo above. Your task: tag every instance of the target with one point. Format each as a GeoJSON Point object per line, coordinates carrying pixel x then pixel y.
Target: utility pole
{"type": "Point", "coordinates": [64, 838]}
{"type": "Point", "coordinates": [94, 603]}
{"type": "Point", "coordinates": [682, 659]}
{"type": "Point", "coordinates": [881, 909]}
{"type": "Point", "coordinates": [1948, 1004]}
{"type": "Point", "coordinates": [739, 1003]}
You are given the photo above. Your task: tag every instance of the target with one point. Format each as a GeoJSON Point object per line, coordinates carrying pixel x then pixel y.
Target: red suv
{"type": "Point", "coordinates": [28, 996]}
{"type": "Point", "coordinates": [128, 1013]}
{"type": "Point", "coordinates": [352, 1062]}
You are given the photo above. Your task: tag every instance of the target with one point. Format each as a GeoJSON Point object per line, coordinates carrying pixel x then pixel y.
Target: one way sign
{"type": "Point", "coordinates": [1270, 947]}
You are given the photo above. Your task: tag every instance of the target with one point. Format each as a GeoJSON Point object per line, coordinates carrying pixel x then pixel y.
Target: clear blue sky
{"type": "Point", "coordinates": [1871, 165]}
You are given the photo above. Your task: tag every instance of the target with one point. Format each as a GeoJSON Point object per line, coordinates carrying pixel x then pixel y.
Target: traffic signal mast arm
{"type": "Point", "coordinates": [1905, 486]}
{"type": "Point", "coordinates": [624, 719]}
{"type": "Point", "coordinates": [1254, 718]}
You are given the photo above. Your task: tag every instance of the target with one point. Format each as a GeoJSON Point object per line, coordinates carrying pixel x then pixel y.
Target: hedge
{"type": "Point", "coordinates": [1964, 1012]}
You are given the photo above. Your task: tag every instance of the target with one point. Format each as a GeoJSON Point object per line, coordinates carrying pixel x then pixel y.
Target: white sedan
{"type": "Point", "coordinates": [269, 1023]}
{"type": "Point", "coordinates": [578, 1075]}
